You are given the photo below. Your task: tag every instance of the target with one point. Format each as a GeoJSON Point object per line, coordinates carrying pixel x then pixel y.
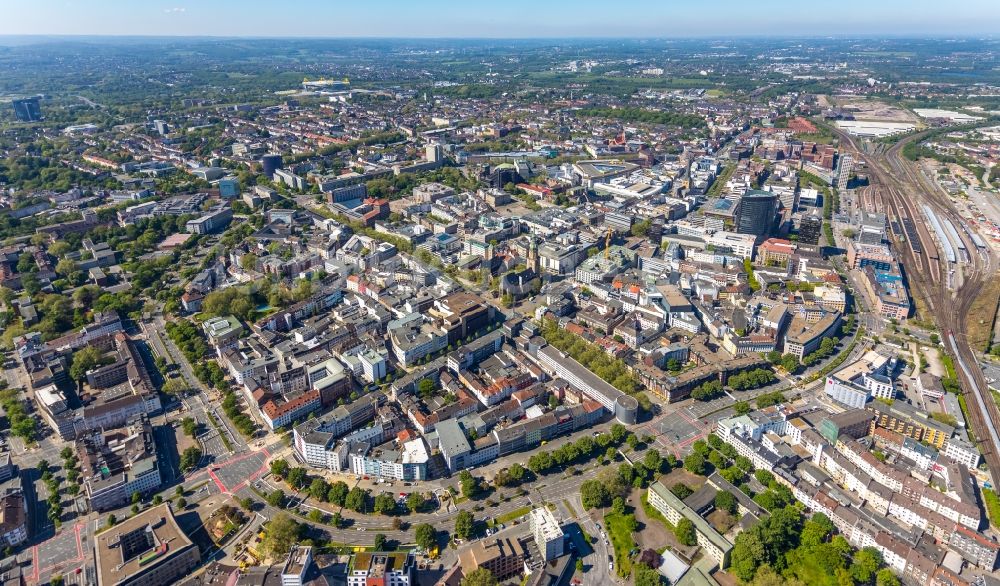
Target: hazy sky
{"type": "Point", "coordinates": [505, 18]}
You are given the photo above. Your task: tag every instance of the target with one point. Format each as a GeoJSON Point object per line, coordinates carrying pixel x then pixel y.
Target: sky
{"type": "Point", "coordinates": [501, 19]}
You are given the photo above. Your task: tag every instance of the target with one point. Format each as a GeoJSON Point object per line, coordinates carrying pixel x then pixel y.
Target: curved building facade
{"type": "Point", "coordinates": [269, 164]}
{"type": "Point", "coordinates": [627, 409]}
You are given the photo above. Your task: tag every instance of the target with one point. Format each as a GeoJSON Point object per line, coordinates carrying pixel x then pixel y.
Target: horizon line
{"type": "Point", "coordinates": [841, 36]}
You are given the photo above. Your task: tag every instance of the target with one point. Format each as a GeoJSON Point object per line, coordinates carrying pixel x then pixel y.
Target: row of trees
{"type": "Point", "coordinates": [283, 531]}
{"type": "Point", "coordinates": [280, 534]}
{"type": "Point", "coordinates": [190, 458]}
{"type": "Point", "coordinates": [788, 362]}
{"type": "Point", "coordinates": [707, 391]}
{"type": "Point", "coordinates": [52, 483]}
{"type": "Point", "coordinates": [21, 424]}
{"type": "Point", "coordinates": [465, 524]}
{"type": "Point", "coordinates": [470, 486]}
{"type": "Point", "coordinates": [234, 411]}
{"type": "Point", "coordinates": [339, 494]}
{"type": "Point", "coordinates": [190, 427]}
{"type": "Point", "coordinates": [615, 372]}
{"type": "Point", "coordinates": [751, 379]}
{"type": "Point", "coordinates": [210, 373]}
{"type": "Point", "coordinates": [54, 501]}
{"type": "Point", "coordinates": [513, 475]}
{"type": "Point", "coordinates": [826, 348]}
{"type": "Point", "coordinates": [769, 399]}
{"type": "Point", "coordinates": [185, 335]}
{"type": "Point", "coordinates": [580, 450]}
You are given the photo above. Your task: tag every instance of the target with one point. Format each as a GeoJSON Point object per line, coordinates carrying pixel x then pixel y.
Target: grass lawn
{"type": "Point", "coordinates": [992, 506]}
{"type": "Point", "coordinates": [621, 540]}
{"type": "Point", "coordinates": [507, 517]}
{"type": "Point", "coordinates": [965, 414]}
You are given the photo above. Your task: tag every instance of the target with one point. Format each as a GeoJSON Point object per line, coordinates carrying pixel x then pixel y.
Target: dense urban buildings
{"type": "Point", "coordinates": [383, 312]}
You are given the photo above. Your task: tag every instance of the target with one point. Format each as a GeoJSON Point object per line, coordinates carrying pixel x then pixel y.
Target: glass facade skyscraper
{"type": "Point", "coordinates": [756, 212]}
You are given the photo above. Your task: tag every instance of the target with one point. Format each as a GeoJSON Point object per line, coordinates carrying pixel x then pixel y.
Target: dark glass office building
{"type": "Point", "coordinates": [27, 110]}
{"type": "Point", "coordinates": [756, 212]}
{"type": "Point", "coordinates": [810, 228]}
{"type": "Point", "coordinates": [269, 164]}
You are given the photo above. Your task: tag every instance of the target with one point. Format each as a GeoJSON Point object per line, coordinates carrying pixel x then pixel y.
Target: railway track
{"type": "Point", "coordinates": [897, 185]}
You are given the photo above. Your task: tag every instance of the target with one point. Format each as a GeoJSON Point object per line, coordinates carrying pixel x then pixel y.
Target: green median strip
{"type": "Point", "coordinates": [507, 517]}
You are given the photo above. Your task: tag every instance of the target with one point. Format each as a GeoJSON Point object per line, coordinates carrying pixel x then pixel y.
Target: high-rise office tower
{"type": "Point", "coordinates": [844, 168]}
{"type": "Point", "coordinates": [549, 536]}
{"type": "Point", "coordinates": [810, 228]}
{"type": "Point", "coordinates": [434, 153]}
{"type": "Point", "coordinates": [756, 212]}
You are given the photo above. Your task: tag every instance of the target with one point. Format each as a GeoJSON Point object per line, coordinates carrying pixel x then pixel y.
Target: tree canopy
{"type": "Point", "coordinates": [280, 534]}
{"type": "Point", "coordinates": [425, 536]}
{"type": "Point", "coordinates": [479, 577]}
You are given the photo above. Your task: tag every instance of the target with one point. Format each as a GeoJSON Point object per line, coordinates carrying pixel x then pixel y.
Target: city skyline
{"type": "Point", "coordinates": [516, 19]}
{"type": "Point", "coordinates": [294, 278]}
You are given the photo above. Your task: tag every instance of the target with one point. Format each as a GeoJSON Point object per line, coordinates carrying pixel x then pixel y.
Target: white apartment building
{"type": "Point", "coordinates": [383, 568]}
{"type": "Point", "coordinates": [293, 573]}
{"type": "Point", "coordinates": [408, 463]}
{"type": "Point", "coordinates": [372, 365]}
{"type": "Point", "coordinates": [962, 452]}
{"type": "Point", "coordinates": [547, 532]}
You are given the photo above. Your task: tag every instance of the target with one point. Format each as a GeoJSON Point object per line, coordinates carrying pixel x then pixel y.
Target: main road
{"type": "Point", "coordinates": [155, 333]}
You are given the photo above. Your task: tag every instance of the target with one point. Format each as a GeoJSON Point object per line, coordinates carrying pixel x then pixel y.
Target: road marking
{"type": "Point", "coordinates": [256, 474]}
{"type": "Point", "coordinates": [79, 545]}
{"type": "Point", "coordinates": [218, 483]}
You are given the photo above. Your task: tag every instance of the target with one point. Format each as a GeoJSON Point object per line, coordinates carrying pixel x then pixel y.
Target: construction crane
{"type": "Point", "coordinates": [607, 244]}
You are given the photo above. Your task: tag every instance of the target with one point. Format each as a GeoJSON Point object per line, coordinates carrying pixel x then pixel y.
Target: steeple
{"type": "Point", "coordinates": [533, 262]}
